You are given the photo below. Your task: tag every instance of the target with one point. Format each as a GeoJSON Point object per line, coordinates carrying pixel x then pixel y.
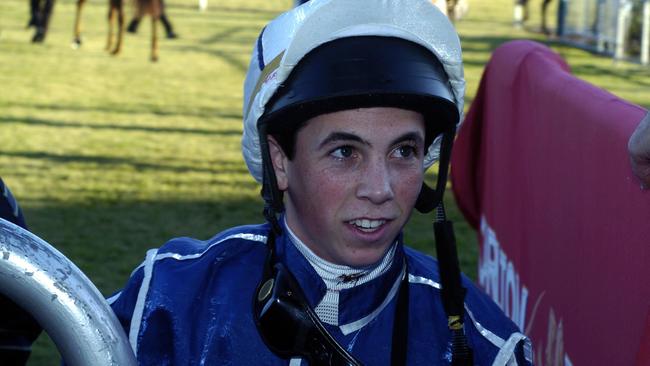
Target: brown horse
{"type": "Point", "coordinates": [116, 20]}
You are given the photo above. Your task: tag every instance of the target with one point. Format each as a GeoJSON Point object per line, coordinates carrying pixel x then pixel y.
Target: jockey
{"type": "Point", "coordinates": [9, 208]}
{"type": "Point", "coordinates": [19, 330]}
{"type": "Point", "coordinates": [346, 104]}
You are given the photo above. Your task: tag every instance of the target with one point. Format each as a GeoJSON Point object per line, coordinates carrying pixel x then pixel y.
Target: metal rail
{"type": "Point", "coordinates": [62, 299]}
{"type": "Point", "coordinates": [603, 26]}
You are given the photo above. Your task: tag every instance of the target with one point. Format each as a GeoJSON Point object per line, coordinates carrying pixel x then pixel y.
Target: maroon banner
{"type": "Point", "coordinates": [540, 169]}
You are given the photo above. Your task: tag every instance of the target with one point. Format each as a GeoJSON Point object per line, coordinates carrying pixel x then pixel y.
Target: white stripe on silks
{"type": "Point", "coordinates": [506, 355]}
{"type": "Point", "coordinates": [295, 362]}
{"type": "Point", "coordinates": [493, 338]}
{"type": "Point", "coordinates": [178, 257]}
{"type": "Point", "coordinates": [356, 325]}
{"type": "Point", "coordinates": [245, 236]}
{"type": "Point", "coordinates": [113, 298]}
{"type": "Point", "coordinates": [423, 281]}
{"type": "Point", "coordinates": [504, 347]}
{"type": "Point", "coordinates": [136, 318]}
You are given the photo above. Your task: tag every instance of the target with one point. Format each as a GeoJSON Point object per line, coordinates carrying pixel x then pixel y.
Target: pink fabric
{"type": "Point", "coordinates": [540, 167]}
{"type": "Point", "coordinates": [643, 359]}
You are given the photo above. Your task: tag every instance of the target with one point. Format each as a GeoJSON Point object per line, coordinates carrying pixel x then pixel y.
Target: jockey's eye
{"type": "Point", "coordinates": [405, 151]}
{"type": "Point", "coordinates": [342, 152]}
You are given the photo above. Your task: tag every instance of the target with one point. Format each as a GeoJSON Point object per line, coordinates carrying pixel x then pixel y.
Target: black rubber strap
{"type": "Point", "coordinates": [452, 292]}
{"type": "Point", "coordinates": [401, 322]}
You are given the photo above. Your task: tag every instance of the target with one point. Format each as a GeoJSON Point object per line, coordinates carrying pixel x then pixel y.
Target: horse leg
{"type": "Point", "coordinates": [111, 18]}
{"type": "Point", "coordinates": [133, 25]}
{"type": "Point", "coordinates": [155, 14]}
{"type": "Point", "coordinates": [76, 40]}
{"type": "Point", "coordinates": [47, 12]}
{"type": "Point", "coordinates": [33, 13]}
{"type": "Point", "coordinates": [545, 29]}
{"type": "Point", "coordinates": [154, 39]}
{"type": "Point", "coordinates": [42, 20]}
{"type": "Point", "coordinates": [169, 29]}
{"type": "Point", "coordinates": [451, 9]}
{"type": "Point", "coordinates": [521, 13]}
{"type": "Point", "coordinates": [38, 23]}
{"type": "Point", "coordinates": [120, 26]}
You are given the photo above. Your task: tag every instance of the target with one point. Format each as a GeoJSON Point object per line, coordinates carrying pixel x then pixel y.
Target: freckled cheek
{"type": "Point", "coordinates": [332, 187]}
{"type": "Point", "coordinates": [408, 186]}
{"type": "Point", "coordinates": [334, 190]}
{"type": "Point", "coordinates": [328, 188]}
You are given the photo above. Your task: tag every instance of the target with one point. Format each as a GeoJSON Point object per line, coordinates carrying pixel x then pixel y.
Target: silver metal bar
{"type": "Point", "coordinates": [62, 299]}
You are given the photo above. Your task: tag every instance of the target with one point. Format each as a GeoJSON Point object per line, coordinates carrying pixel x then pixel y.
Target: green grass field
{"type": "Point", "coordinates": [110, 156]}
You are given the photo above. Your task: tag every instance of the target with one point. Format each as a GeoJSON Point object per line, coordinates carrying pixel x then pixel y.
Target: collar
{"type": "Point", "coordinates": [339, 277]}
{"type": "Point", "coordinates": [349, 304]}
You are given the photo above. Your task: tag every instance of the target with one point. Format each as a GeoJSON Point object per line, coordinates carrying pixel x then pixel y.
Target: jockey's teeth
{"type": "Point", "coordinates": [367, 224]}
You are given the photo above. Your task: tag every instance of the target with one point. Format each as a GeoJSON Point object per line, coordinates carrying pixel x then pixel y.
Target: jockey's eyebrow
{"type": "Point", "coordinates": [342, 136]}
{"type": "Point", "coordinates": [409, 136]}
{"type": "Point", "coordinates": [346, 136]}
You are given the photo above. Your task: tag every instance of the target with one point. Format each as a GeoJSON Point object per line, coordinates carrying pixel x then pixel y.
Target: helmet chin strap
{"type": "Point", "coordinates": [430, 198]}
{"type": "Point", "coordinates": [452, 292]}
{"type": "Point", "coordinates": [270, 192]}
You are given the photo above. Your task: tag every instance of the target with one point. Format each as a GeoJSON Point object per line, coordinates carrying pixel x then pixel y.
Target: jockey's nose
{"type": "Point", "coordinates": [376, 182]}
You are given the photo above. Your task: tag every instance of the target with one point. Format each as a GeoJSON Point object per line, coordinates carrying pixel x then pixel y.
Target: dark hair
{"type": "Point", "coordinates": [287, 139]}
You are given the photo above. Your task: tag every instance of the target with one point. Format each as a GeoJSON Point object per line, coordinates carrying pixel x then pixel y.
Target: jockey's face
{"type": "Point", "coordinates": [353, 182]}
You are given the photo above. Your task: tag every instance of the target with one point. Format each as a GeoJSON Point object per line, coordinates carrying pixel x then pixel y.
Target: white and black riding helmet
{"type": "Point", "coordinates": [332, 55]}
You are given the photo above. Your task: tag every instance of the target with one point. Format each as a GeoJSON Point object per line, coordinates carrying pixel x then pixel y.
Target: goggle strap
{"type": "Point", "coordinates": [270, 192]}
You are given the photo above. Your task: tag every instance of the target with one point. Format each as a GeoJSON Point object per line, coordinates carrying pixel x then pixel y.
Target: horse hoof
{"type": "Point", "coordinates": [38, 37]}
{"type": "Point", "coordinates": [154, 58]}
{"type": "Point", "coordinates": [76, 43]}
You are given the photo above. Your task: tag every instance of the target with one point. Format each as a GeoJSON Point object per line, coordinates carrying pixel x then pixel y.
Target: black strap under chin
{"type": "Point", "coordinates": [400, 323]}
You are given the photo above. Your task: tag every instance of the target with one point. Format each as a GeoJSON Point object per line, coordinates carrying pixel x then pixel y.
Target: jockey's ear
{"type": "Point", "coordinates": [280, 161]}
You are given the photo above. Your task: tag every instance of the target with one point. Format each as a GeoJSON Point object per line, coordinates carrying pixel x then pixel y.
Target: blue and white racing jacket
{"type": "Point", "coordinates": [191, 303]}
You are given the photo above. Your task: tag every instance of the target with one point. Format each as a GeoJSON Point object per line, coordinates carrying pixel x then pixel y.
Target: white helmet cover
{"type": "Point", "coordinates": [291, 36]}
